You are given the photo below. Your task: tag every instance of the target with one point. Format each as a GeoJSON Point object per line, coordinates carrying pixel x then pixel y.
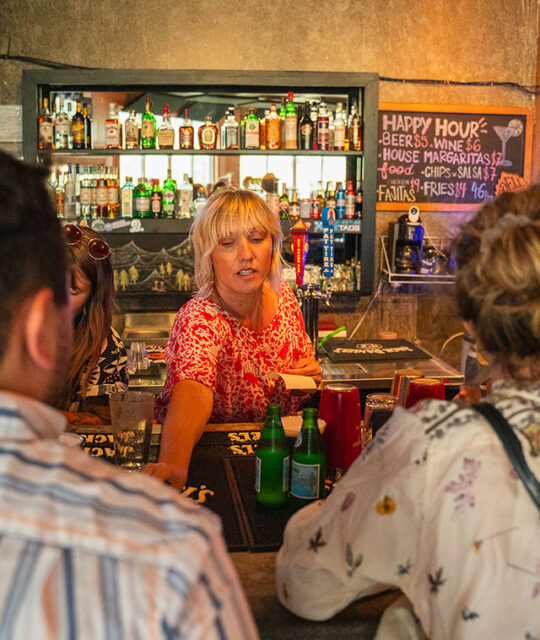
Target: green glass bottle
{"type": "Point", "coordinates": [148, 127]}
{"type": "Point", "coordinates": [142, 206]}
{"type": "Point", "coordinates": [168, 203]}
{"type": "Point", "coordinates": [272, 462]}
{"type": "Point", "coordinates": [308, 461]}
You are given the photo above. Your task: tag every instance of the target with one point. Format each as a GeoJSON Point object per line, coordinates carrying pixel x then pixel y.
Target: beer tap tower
{"type": "Point", "coordinates": [309, 295]}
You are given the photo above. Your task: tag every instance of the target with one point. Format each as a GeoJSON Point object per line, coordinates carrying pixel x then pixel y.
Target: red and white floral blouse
{"type": "Point", "coordinates": [209, 345]}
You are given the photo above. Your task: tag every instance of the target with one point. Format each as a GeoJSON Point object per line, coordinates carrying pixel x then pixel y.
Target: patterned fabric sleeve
{"type": "Point", "coordinates": [110, 373]}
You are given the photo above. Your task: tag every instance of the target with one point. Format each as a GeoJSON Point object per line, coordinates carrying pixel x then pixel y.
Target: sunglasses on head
{"type": "Point", "coordinates": [98, 249]}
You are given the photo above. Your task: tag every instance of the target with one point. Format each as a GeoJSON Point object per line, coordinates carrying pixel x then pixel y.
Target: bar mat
{"type": "Point", "coordinates": [373, 350]}
{"type": "Point", "coordinates": [264, 527]}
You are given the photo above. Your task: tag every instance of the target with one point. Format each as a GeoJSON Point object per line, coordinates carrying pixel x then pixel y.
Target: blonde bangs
{"type": "Point", "coordinates": [230, 212]}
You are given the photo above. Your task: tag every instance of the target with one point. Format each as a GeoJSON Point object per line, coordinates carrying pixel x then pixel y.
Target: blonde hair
{"type": "Point", "coordinates": [498, 280]}
{"type": "Point", "coordinates": [228, 212]}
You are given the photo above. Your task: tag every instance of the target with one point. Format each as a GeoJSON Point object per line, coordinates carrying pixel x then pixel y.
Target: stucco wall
{"type": "Point", "coordinates": [455, 40]}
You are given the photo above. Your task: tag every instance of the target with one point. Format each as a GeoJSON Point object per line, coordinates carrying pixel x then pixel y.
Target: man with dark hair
{"type": "Point", "coordinates": [86, 550]}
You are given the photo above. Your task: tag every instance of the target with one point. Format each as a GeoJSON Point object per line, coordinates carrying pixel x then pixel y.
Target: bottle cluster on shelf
{"type": "Point", "coordinates": [343, 198]}
{"type": "Point", "coordinates": [289, 126]}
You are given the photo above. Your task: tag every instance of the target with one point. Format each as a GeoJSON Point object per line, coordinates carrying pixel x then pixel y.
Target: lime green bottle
{"type": "Point", "coordinates": [308, 461]}
{"type": "Point", "coordinates": [148, 127]}
{"type": "Point", "coordinates": [168, 204]}
{"type": "Point", "coordinates": [272, 462]}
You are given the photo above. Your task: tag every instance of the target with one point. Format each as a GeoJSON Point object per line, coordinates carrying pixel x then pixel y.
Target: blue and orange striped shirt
{"type": "Point", "coordinates": [88, 550]}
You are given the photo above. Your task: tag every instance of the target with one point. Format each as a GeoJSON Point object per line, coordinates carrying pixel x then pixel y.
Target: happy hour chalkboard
{"type": "Point", "coordinates": [450, 158]}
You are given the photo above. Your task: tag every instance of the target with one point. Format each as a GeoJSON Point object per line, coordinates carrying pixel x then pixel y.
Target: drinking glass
{"type": "Point", "coordinates": [132, 413]}
{"type": "Point", "coordinates": [379, 407]}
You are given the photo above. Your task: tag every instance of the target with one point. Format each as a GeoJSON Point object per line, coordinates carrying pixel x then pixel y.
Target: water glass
{"type": "Point", "coordinates": [379, 407]}
{"type": "Point", "coordinates": [132, 413]}
{"type": "Point", "coordinates": [137, 357]}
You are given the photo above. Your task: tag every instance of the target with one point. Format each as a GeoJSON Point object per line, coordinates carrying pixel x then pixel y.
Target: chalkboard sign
{"type": "Point", "coordinates": [450, 157]}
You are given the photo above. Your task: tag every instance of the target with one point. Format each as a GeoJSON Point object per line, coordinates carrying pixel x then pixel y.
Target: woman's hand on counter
{"type": "Point", "coordinates": [306, 367]}
{"type": "Point", "coordinates": [176, 476]}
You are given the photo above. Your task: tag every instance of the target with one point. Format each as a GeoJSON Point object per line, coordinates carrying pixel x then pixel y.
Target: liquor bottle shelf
{"type": "Point", "coordinates": [194, 152]}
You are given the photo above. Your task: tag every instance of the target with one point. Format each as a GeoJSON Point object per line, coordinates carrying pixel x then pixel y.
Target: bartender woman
{"type": "Point", "coordinates": [244, 324]}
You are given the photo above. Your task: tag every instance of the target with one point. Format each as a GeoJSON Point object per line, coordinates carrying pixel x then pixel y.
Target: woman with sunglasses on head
{"type": "Point", "coordinates": [243, 325]}
{"type": "Point", "coordinates": [98, 361]}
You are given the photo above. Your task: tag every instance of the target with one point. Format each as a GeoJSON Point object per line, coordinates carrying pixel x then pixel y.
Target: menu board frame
{"type": "Point", "coordinates": [433, 110]}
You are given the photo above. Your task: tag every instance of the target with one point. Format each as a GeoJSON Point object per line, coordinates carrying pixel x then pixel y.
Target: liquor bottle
{"type": "Point", "coordinates": [340, 201]}
{"type": "Point", "coordinates": [45, 127]}
{"type": "Point", "coordinates": [242, 132]}
{"type": "Point", "coordinates": [284, 203]}
{"type": "Point", "coordinates": [77, 127]}
{"type": "Point", "coordinates": [86, 194]}
{"type": "Point", "coordinates": [355, 131]}
{"type": "Point", "coordinates": [313, 114]}
{"type": "Point", "coordinates": [142, 207]}
{"type": "Point", "coordinates": [272, 462]}
{"type": "Point", "coordinates": [70, 196]}
{"type": "Point", "coordinates": [185, 133]}
{"type": "Point", "coordinates": [127, 197]}
{"type": "Point", "coordinates": [132, 132]}
{"type": "Point", "coordinates": [87, 128]}
{"type": "Point", "coordinates": [358, 200]}
{"type": "Point", "coordinates": [165, 134]}
{"type": "Point", "coordinates": [148, 127]}
{"type": "Point", "coordinates": [94, 175]}
{"type": "Point", "coordinates": [329, 195]}
{"type": "Point", "coordinates": [252, 131]}
{"type": "Point", "coordinates": [305, 130]}
{"type": "Point", "coordinates": [102, 197]}
{"type": "Point", "coordinates": [230, 131]}
{"type": "Point", "coordinates": [291, 123]}
{"type": "Point", "coordinates": [308, 461]}
{"type": "Point", "coordinates": [323, 127]}
{"type": "Point", "coordinates": [208, 134]}
{"type": "Point", "coordinates": [112, 129]}
{"type": "Point", "coordinates": [70, 128]}
{"type": "Point", "coordinates": [318, 203]}
{"type": "Point", "coordinates": [349, 201]}
{"type": "Point", "coordinates": [156, 198]}
{"type": "Point", "coordinates": [262, 129]}
{"type": "Point", "coordinates": [186, 197]}
{"type": "Point", "coordinates": [168, 203]}
{"type": "Point", "coordinates": [112, 191]}
{"type": "Point", "coordinates": [61, 126]}
{"type": "Point", "coordinates": [294, 206]}
{"type": "Point", "coordinates": [273, 129]}
{"type": "Point", "coordinates": [59, 194]}
{"type": "Point", "coordinates": [330, 130]}
{"type": "Point", "coordinates": [340, 128]}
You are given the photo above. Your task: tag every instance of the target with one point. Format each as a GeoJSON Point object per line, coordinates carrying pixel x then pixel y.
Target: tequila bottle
{"type": "Point", "coordinates": [148, 127]}
{"type": "Point", "coordinates": [165, 134]}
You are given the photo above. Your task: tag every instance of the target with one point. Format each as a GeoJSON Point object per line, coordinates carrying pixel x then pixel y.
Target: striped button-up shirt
{"type": "Point", "coordinates": [90, 551]}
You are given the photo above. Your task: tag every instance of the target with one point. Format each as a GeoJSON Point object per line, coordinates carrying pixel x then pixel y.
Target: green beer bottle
{"type": "Point", "coordinates": [272, 462]}
{"type": "Point", "coordinates": [308, 461]}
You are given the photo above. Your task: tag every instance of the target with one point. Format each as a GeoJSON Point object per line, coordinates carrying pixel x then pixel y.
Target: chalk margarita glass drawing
{"type": "Point", "coordinates": [513, 129]}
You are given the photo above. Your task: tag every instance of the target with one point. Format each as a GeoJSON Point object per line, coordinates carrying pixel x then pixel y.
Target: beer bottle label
{"type": "Point", "coordinates": [305, 480]}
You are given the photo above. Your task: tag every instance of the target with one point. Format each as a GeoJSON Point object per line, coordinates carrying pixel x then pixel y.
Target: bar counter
{"type": "Point", "coordinates": [256, 569]}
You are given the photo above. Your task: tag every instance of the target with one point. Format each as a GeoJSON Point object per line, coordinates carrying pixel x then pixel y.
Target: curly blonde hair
{"type": "Point", "coordinates": [230, 211]}
{"type": "Point", "coordinates": [498, 280]}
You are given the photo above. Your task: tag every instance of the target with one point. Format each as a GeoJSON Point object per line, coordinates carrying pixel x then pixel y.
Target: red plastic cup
{"type": "Point", "coordinates": [340, 409]}
{"type": "Point", "coordinates": [422, 388]}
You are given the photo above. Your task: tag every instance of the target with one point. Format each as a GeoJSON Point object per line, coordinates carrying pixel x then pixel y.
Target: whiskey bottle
{"type": "Point", "coordinates": [132, 132]}
{"type": "Point", "coordinates": [185, 133]}
{"type": "Point", "coordinates": [148, 127]}
{"type": "Point", "coordinates": [165, 135]}
{"type": "Point", "coordinates": [305, 130]}
{"type": "Point", "coordinates": [291, 121]}
{"type": "Point", "coordinates": [252, 131]}
{"type": "Point", "coordinates": [61, 126]}
{"type": "Point", "coordinates": [339, 128]}
{"type": "Point", "coordinates": [87, 127]}
{"type": "Point", "coordinates": [323, 127]}
{"type": "Point", "coordinates": [208, 134]}
{"type": "Point", "coordinates": [77, 127]}
{"type": "Point", "coordinates": [45, 127]}
{"type": "Point", "coordinates": [273, 129]}
{"type": "Point", "coordinates": [102, 198]}
{"type": "Point", "coordinates": [112, 129]}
